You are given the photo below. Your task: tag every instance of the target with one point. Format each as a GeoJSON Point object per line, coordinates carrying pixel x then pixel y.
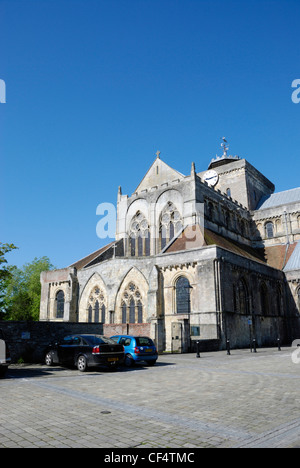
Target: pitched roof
{"type": "Point", "coordinates": [185, 241]}
{"type": "Point", "coordinates": [277, 256]}
{"type": "Point", "coordinates": [89, 258]}
{"type": "Point", "coordinates": [280, 198]}
{"type": "Point", "coordinates": [294, 261]}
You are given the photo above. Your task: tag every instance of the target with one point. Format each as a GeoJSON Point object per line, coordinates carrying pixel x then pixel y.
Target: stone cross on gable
{"type": "Point", "coordinates": [157, 153]}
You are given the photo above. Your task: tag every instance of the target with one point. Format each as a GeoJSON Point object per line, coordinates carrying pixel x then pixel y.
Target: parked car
{"type": "Point", "coordinates": [85, 351]}
{"type": "Point", "coordinates": [137, 349]}
{"type": "Point", "coordinates": [5, 358]}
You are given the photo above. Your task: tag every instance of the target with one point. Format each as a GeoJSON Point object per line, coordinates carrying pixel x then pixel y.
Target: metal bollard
{"type": "Point", "coordinates": [278, 342]}
{"type": "Point", "coordinates": [228, 347]}
{"type": "Point", "coordinates": [254, 345]}
{"type": "Point", "coordinates": [198, 348]}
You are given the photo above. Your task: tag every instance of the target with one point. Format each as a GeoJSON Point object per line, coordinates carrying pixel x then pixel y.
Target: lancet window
{"type": "Point", "coordinates": [96, 306]}
{"type": "Point", "coordinates": [132, 305]}
{"type": "Point", "coordinates": [139, 236]}
{"type": "Point", "coordinates": [170, 224]}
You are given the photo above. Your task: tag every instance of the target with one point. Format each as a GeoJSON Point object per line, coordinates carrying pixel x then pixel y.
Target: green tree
{"type": "Point", "coordinates": [23, 291]}
{"type": "Point", "coordinates": [5, 272]}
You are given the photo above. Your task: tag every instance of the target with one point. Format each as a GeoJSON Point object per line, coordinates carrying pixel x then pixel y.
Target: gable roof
{"type": "Point", "coordinates": [294, 261]}
{"type": "Point", "coordinates": [158, 174]}
{"type": "Point", "coordinates": [280, 198]}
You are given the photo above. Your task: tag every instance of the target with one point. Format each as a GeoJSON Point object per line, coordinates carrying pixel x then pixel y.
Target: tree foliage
{"type": "Point", "coordinates": [5, 271]}
{"type": "Point", "coordinates": [23, 290]}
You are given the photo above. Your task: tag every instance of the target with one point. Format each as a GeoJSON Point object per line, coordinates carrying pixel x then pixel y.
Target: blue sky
{"type": "Point", "coordinates": [95, 87]}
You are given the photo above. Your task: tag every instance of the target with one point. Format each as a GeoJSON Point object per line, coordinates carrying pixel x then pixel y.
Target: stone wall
{"type": "Point", "coordinates": [28, 340]}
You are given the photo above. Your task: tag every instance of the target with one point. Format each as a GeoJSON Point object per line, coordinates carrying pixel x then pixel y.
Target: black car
{"type": "Point", "coordinates": [5, 358]}
{"type": "Point", "coordinates": [85, 351]}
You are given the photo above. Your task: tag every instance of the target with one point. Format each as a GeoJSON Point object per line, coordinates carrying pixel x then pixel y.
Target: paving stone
{"type": "Point", "coordinates": [218, 401]}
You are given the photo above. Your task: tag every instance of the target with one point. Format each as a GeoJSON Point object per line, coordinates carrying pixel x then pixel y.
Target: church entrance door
{"type": "Point", "coordinates": [176, 337]}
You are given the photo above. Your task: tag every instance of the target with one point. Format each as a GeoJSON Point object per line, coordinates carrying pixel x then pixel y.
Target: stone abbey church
{"type": "Point", "coordinates": [210, 256]}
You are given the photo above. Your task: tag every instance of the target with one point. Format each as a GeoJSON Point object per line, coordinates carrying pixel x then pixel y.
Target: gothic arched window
{"type": "Point", "coordinates": [96, 305]}
{"type": "Point", "coordinates": [96, 318]}
{"type": "Point", "coordinates": [132, 305]}
{"type": "Point", "coordinates": [131, 311]}
{"type": "Point", "coordinates": [264, 299]}
{"type": "Point", "coordinates": [243, 297]}
{"type": "Point", "coordinates": [60, 304]}
{"type": "Point", "coordinates": [170, 224]}
{"type": "Point", "coordinates": [139, 236]}
{"type": "Point", "coordinates": [183, 301]}
{"type": "Point", "coordinates": [124, 312]}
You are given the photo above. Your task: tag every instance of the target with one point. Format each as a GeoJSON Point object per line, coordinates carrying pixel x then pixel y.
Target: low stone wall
{"type": "Point", "coordinates": [138, 329]}
{"type": "Point", "coordinates": [28, 340]}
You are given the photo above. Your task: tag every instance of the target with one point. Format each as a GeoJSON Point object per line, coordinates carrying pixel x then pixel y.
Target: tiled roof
{"type": "Point", "coordinates": [280, 198]}
{"type": "Point", "coordinates": [89, 258]}
{"type": "Point", "coordinates": [294, 261]}
{"type": "Point", "coordinates": [277, 256]}
{"type": "Point", "coordinates": [185, 241]}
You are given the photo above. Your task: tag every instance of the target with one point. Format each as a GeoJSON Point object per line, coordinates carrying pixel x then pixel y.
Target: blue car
{"type": "Point", "coordinates": [137, 349]}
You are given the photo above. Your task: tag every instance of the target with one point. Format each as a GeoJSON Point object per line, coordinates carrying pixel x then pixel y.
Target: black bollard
{"type": "Point", "coordinates": [228, 347]}
{"type": "Point", "coordinates": [254, 345]}
{"type": "Point", "coordinates": [278, 342]}
{"type": "Point", "coordinates": [198, 348]}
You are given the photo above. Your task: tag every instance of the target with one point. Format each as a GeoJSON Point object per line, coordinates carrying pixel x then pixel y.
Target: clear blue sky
{"type": "Point", "coordinates": [96, 87]}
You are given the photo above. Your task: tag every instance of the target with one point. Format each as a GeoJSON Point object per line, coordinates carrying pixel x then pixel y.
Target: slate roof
{"type": "Point", "coordinates": [294, 261]}
{"type": "Point", "coordinates": [89, 258]}
{"type": "Point", "coordinates": [280, 198]}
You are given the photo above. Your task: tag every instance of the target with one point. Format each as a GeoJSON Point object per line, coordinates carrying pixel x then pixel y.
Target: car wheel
{"type": "Point", "coordinates": [49, 359]}
{"type": "Point", "coordinates": [82, 364]}
{"type": "Point", "coordinates": [129, 360]}
{"type": "Point", "coordinates": [151, 363]}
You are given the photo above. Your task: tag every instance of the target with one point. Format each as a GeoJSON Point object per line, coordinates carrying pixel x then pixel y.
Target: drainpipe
{"type": "Point", "coordinates": [287, 239]}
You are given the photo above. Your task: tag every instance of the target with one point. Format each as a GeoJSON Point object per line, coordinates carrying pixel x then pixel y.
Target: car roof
{"type": "Point", "coordinates": [132, 336]}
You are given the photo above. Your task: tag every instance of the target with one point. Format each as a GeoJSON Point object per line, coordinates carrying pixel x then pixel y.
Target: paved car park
{"type": "Point", "coordinates": [242, 400]}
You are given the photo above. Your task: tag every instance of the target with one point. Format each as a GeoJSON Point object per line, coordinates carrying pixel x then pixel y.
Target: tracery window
{"type": "Point", "coordinates": [242, 297]}
{"type": "Point", "coordinates": [60, 304]}
{"type": "Point", "coordinates": [264, 299]}
{"type": "Point", "coordinates": [139, 236]}
{"type": "Point", "coordinates": [183, 301]}
{"type": "Point", "coordinates": [170, 224]}
{"type": "Point", "coordinates": [96, 306]}
{"type": "Point", "coordinates": [131, 305]}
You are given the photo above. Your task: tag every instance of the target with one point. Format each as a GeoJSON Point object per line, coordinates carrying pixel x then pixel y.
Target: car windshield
{"type": "Point", "coordinates": [97, 339]}
{"type": "Point", "coordinates": [144, 341]}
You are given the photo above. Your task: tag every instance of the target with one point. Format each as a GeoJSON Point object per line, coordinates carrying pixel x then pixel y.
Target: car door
{"type": "Point", "coordinates": [126, 342]}
{"type": "Point", "coordinates": [66, 349]}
